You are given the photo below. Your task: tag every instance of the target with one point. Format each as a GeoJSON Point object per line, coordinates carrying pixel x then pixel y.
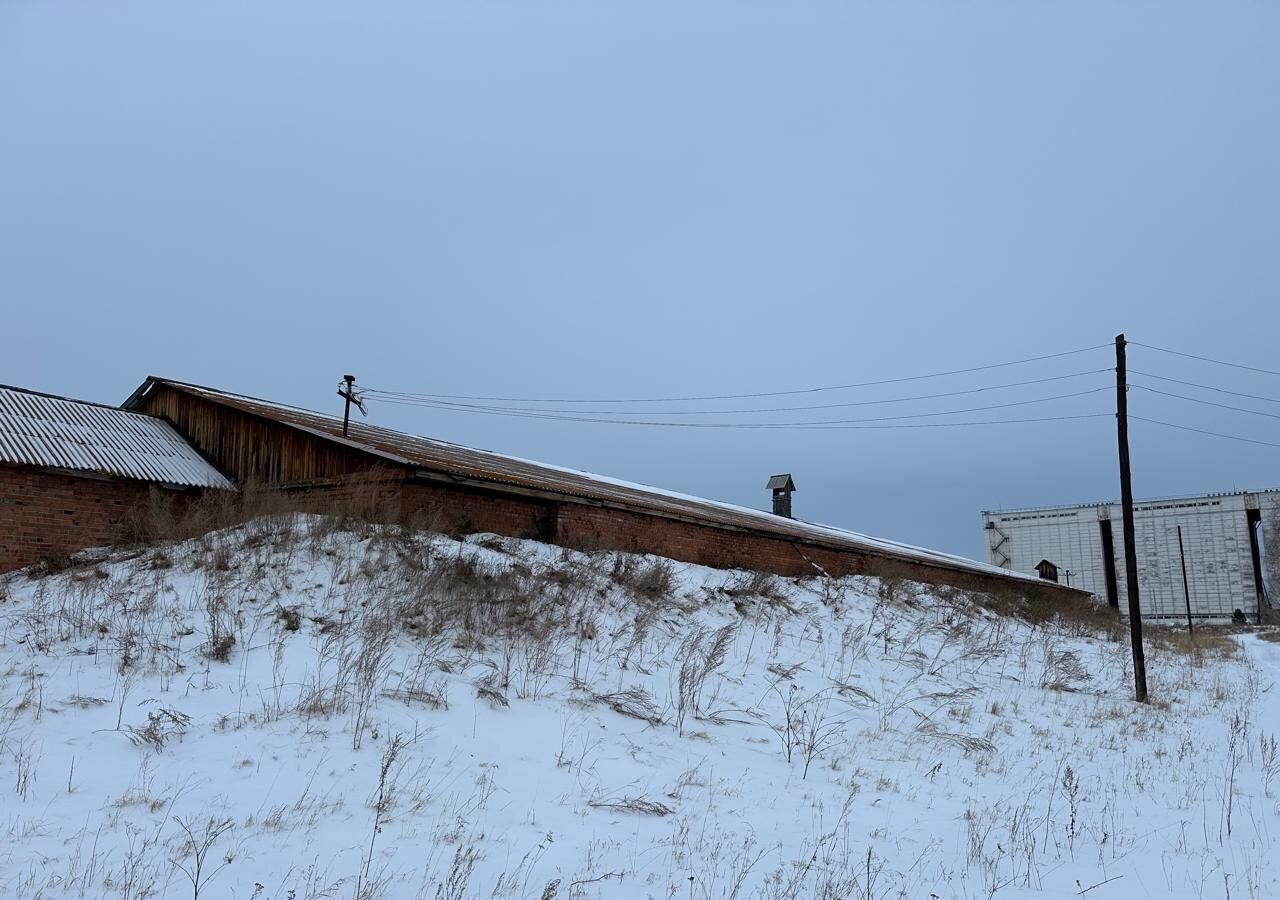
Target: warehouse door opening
{"type": "Point", "coordinates": [1262, 576]}
{"type": "Point", "coordinates": [1109, 563]}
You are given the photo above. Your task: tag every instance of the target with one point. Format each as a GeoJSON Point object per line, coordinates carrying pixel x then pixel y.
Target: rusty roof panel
{"type": "Point", "coordinates": [43, 430]}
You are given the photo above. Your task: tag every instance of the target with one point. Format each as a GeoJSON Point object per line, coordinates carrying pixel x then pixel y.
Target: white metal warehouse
{"type": "Point", "coordinates": [1223, 541]}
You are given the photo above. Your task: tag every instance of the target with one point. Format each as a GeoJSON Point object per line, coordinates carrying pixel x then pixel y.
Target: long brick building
{"type": "Point", "coordinates": [460, 489]}
{"type": "Point", "coordinates": [306, 456]}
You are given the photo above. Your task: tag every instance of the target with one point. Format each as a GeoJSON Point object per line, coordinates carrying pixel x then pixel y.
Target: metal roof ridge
{"type": "Point", "coordinates": [354, 425]}
{"type": "Point", "coordinates": [158, 379]}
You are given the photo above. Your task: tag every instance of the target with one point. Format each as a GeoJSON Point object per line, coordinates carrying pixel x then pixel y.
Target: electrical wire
{"type": "Point", "coordinates": [1207, 387]}
{"type": "Point", "coordinates": [1242, 409]}
{"type": "Point", "coordinates": [502, 411]}
{"type": "Point", "coordinates": [719, 412]}
{"type": "Point", "coordinates": [810, 390]}
{"type": "Point", "coordinates": [1207, 359]}
{"type": "Point", "coordinates": [481, 404]}
{"type": "Point", "coordinates": [958, 424]}
{"type": "Point", "coordinates": [850, 427]}
{"type": "Point", "coordinates": [1231, 437]}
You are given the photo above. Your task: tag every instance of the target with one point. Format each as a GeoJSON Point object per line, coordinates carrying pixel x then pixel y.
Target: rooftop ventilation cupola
{"type": "Point", "coordinates": [782, 487]}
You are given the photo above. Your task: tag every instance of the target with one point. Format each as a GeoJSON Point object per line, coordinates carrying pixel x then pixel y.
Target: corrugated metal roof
{"type": "Point", "coordinates": [483, 465]}
{"type": "Point", "coordinates": [43, 430]}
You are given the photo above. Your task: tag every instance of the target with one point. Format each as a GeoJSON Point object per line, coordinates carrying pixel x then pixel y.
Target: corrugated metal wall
{"type": "Point", "coordinates": [1215, 533]}
{"type": "Point", "coordinates": [1071, 539]}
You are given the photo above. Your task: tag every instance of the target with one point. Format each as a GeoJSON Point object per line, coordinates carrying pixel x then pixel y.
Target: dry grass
{"type": "Point", "coordinates": [165, 517]}
{"type": "Point", "coordinates": [638, 805]}
{"type": "Point", "coordinates": [1079, 615]}
{"type": "Point", "coordinates": [54, 564]}
{"type": "Point", "coordinates": [650, 579]}
{"type": "Point", "coordinates": [757, 584]}
{"type": "Point", "coordinates": [634, 703]}
{"type": "Point", "coordinates": [484, 598]}
{"type": "Point", "coordinates": [1213, 641]}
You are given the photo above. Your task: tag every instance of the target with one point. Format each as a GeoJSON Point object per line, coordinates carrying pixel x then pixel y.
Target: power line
{"type": "Point", "coordinates": [1207, 387]}
{"type": "Point", "coordinates": [810, 390]}
{"type": "Point", "coordinates": [399, 395]}
{"type": "Point", "coordinates": [962, 424]}
{"type": "Point", "coordinates": [1231, 437]}
{"type": "Point", "coordinates": [1242, 409]}
{"type": "Point", "coordinates": [798, 427]}
{"type": "Point", "coordinates": [583, 418]}
{"type": "Point", "coordinates": [1207, 359]}
{"type": "Point", "coordinates": [500, 411]}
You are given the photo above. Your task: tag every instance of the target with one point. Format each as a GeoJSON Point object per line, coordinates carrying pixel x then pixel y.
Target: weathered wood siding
{"type": "Point", "coordinates": [248, 447]}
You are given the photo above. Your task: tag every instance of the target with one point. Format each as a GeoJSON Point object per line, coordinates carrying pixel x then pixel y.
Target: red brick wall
{"type": "Point", "coordinates": [383, 495]}
{"type": "Point", "coordinates": [594, 528]}
{"type": "Point", "coordinates": [44, 514]}
{"type": "Point", "coordinates": [462, 510]}
{"type": "Point", "coordinates": [455, 510]}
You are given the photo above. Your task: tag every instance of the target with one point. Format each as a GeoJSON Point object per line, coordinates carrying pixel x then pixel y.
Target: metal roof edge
{"type": "Point", "coordinates": [65, 399]}
{"type": "Point", "coordinates": [196, 390]}
{"type": "Point", "coordinates": [1138, 501]}
{"type": "Point", "coordinates": [131, 402]}
{"type": "Point", "coordinates": [152, 380]}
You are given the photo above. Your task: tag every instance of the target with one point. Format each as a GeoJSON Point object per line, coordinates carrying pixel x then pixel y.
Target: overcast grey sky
{"type": "Point", "coordinates": [626, 199]}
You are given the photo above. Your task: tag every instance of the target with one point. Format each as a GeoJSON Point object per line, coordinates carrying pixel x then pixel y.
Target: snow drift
{"type": "Point", "coordinates": [299, 708]}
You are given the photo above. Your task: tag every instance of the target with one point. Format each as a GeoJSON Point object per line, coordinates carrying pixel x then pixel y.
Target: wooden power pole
{"type": "Point", "coordinates": [1186, 585]}
{"type": "Point", "coordinates": [349, 394]}
{"type": "Point", "coordinates": [1130, 541]}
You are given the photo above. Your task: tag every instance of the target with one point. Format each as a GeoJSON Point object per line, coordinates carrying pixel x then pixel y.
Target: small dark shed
{"type": "Point", "coordinates": [1048, 571]}
{"type": "Point", "coordinates": [782, 486]}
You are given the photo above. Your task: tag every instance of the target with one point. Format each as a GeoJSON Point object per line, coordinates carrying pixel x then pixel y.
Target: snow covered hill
{"type": "Point", "coordinates": [296, 710]}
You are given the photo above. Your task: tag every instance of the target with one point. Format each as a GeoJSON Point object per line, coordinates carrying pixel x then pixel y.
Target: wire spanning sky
{"type": "Point", "coordinates": [669, 199]}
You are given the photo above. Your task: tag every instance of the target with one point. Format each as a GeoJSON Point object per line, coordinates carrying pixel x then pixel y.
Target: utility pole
{"type": "Point", "coordinates": [350, 396]}
{"type": "Point", "coordinates": [1186, 588]}
{"type": "Point", "coordinates": [1130, 540]}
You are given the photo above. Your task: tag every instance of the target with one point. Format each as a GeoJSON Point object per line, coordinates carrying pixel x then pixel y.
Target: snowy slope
{"type": "Point", "coordinates": [291, 710]}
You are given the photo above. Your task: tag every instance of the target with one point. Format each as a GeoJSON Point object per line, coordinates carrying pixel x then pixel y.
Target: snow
{"type": "Point", "coordinates": [958, 751]}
